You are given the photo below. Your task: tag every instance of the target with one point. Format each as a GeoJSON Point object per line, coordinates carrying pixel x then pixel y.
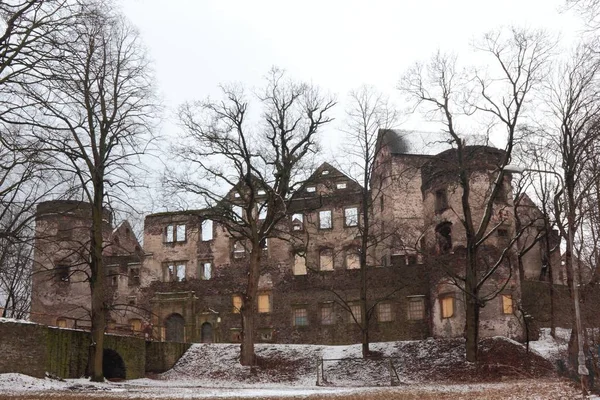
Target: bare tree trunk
{"type": "Point", "coordinates": [97, 283]}
{"type": "Point", "coordinates": [247, 356]}
{"type": "Point", "coordinates": [472, 307]}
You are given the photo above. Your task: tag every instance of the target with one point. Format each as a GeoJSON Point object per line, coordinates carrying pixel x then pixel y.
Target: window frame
{"type": "Point", "coordinates": [352, 315]}
{"type": "Point", "coordinates": [293, 225]}
{"type": "Point", "coordinates": [410, 312]}
{"type": "Point", "coordinates": [504, 304]}
{"type": "Point", "coordinates": [331, 254]}
{"type": "Point", "coordinates": [355, 222]}
{"type": "Point", "coordinates": [326, 306]}
{"type": "Point", "coordinates": [206, 226]}
{"type": "Point", "coordinates": [352, 252]}
{"type": "Point", "coordinates": [321, 228]}
{"type": "Point", "coordinates": [269, 302]}
{"type": "Point", "coordinates": [452, 298]}
{"type": "Point", "coordinates": [298, 308]}
{"type": "Point", "coordinates": [295, 267]}
{"type": "Point", "coordinates": [389, 312]}
{"type": "Point", "coordinates": [234, 309]}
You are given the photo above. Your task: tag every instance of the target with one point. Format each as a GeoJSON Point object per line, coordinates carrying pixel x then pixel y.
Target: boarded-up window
{"type": "Point", "coordinates": [351, 216]}
{"type": "Point", "coordinates": [264, 303]}
{"type": "Point", "coordinates": [355, 315]}
{"type": "Point", "coordinates": [507, 304]}
{"type": "Point", "coordinates": [447, 304]}
{"type": "Point", "coordinates": [300, 316]}
{"type": "Point", "coordinates": [136, 325]}
{"type": "Point", "coordinates": [61, 322]}
{"type": "Point", "coordinates": [326, 314]}
{"type": "Point", "coordinates": [352, 260]}
{"type": "Point", "coordinates": [299, 264]}
{"type": "Point", "coordinates": [207, 230]}
{"type": "Point", "coordinates": [326, 260]}
{"type": "Point", "coordinates": [237, 303]}
{"type": "Point", "coordinates": [325, 221]}
{"type": "Point", "coordinates": [416, 308]}
{"type": "Point", "coordinates": [384, 312]}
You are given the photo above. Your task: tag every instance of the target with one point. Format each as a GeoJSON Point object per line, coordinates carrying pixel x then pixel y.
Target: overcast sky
{"type": "Point", "coordinates": [338, 45]}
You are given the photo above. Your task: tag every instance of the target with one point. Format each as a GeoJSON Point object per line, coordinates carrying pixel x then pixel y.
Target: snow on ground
{"type": "Point", "coordinates": [285, 371]}
{"type": "Point", "coordinates": [550, 348]}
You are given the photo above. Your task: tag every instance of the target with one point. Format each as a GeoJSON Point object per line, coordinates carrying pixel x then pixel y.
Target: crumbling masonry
{"type": "Point", "coordinates": [184, 283]}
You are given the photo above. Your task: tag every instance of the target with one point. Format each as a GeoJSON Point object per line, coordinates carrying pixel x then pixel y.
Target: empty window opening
{"type": "Point", "coordinates": [441, 200]}
{"type": "Point", "coordinates": [326, 260]}
{"type": "Point", "coordinates": [443, 233]}
{"type": "Point", "coordinates": [325, 172]}
{"type": "Point", "coordinates": [207, 230]}
{"type": "Point", "coordinates": [262, 211]}
{"type": "Point", "coordinates": [325, 221]}
{"type": "Point", "coordinates": [341, 185]}
{"type": "Point", "coordinates": [133, 278]}
{"type": "Point", "coordinates": [175, 272]}
{"type": "Point", "coordinates": [206, 270]}
{"type": "Point", "coordinates": [297, 222]}
{"type": "Point", "coordinates": [300, 316]}
{"type": "Point", "coordinates": [351, 216]}
{"type": "Point", "coordinates": [175, 233]}
{"type": "Point", "coordinates": [352, 260]}
{"type": "Point", "coordinates": [502, 232]}
{"type": "Point", "coordinates": [62, 273]}
{"type": "Point", "coordinates": [299, 264]}
{"type": "Point", "coordinates": [311, 189]}
{"type": "Point", "coordinates": [237, 213]}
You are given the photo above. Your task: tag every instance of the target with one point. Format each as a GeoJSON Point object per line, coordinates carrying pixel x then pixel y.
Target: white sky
{"type": "Point", "coordinates": [337, 45]}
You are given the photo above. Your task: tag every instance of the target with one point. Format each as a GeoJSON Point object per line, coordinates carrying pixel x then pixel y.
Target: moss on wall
{"type": "Point", "coordinates": [162, 356]}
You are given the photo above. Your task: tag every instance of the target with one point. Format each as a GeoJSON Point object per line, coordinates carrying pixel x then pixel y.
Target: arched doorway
{"type": "Point", "coordinates": [174, 328]}
{"type": "Point", "coordinates": [113, 366]}
{"type": "Point", "coordinates": [206, 333]}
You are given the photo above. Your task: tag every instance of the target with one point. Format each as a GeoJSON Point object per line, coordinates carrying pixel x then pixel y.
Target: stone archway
{"type": "Point", "coordinates": [206, 333]}
{"type": "Point", "coordinates": [113, 366]}
{"type": "Point", "coordinates": [175, 328]}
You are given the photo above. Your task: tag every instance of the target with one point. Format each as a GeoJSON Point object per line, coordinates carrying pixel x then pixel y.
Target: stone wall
{"type": "Point", "coordinates": [34, 349]}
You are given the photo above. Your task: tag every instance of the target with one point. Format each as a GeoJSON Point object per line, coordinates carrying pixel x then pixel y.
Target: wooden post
{"type": "Point", "coordinates": [319, 362]}
{"type": "Point", "coordinates": [390, 369]}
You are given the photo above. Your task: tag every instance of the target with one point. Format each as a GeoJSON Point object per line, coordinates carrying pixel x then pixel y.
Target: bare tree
{"type": "Point", "coordinates": [571, 131]}
{"type": "Point", "coordinates": [24, 174]}
{"type": "Point", "coordinates": [262, 166]}
{"type": "Point", "coordinates": [368, 113]}
{"type": "Point", "coordinates": [449, 94]}
{"type": "Point", "coordinates": [90, 104]}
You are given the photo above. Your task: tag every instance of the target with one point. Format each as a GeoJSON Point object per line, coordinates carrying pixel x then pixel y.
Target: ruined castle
{"type": "Point", "coordinates": [184, 282]}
